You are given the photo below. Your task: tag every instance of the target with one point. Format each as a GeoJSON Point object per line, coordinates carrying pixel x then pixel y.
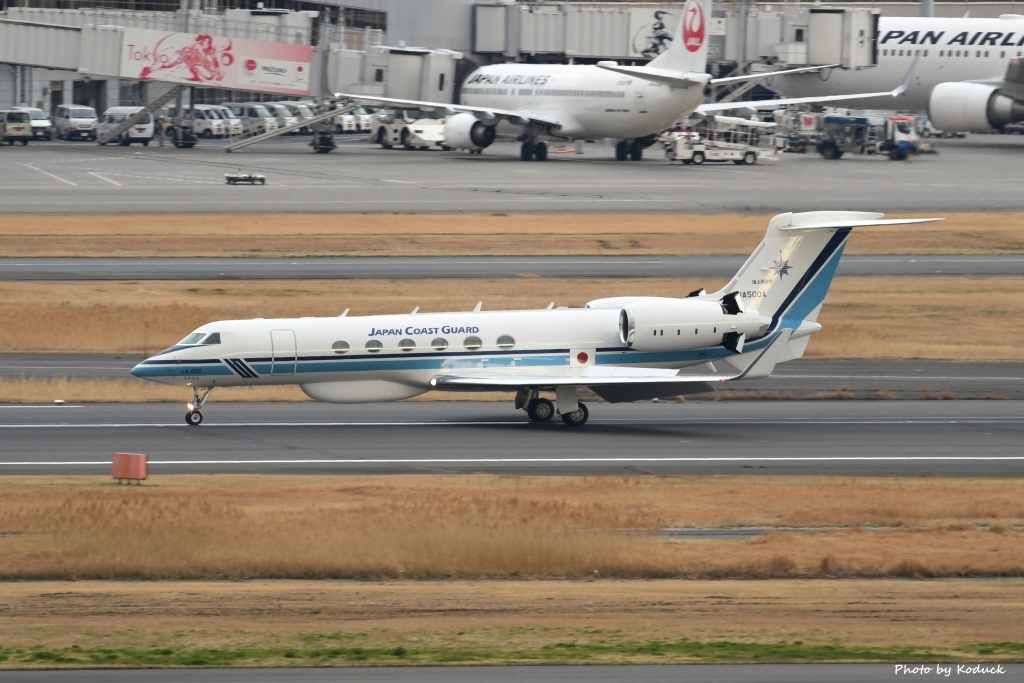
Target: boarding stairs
{"type": "Point", "coordinates": [344, 106]}
{"type": "Point", "coordinates": [115, 133]}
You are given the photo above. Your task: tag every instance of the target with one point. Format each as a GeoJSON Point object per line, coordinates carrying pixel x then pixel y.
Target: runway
{"type": "Point", "coordinates": [425, 268]}
{"type": "Point", "coordinates": [849, 438]}
{"type": "Point", "coordinates": [82, 178]}
{"type": "Point", "coordinates": [698, 673]}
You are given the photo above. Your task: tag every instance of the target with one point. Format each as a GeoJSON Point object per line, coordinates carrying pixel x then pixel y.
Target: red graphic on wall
{"type": "Point", "coordinates": [198, 62]}
{"type": "Point", "coordinates": [693, 25]}
{"type": "Point", "coordinates": [250, 65]}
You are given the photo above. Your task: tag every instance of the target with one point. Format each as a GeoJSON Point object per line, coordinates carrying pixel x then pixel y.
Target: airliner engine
{"type": "Point", "coordinates": [465, 131]}
{"type": "Point", "coordinates": [680, 324]}
{"type": "Point", "coordinates": [972, 107]}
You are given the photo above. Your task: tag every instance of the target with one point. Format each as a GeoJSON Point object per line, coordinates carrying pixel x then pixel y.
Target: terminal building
{"type": "Point", "coordinates": [56, 52]}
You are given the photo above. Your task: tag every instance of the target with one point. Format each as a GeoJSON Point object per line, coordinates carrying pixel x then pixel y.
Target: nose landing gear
{"type": "Point", "coordinates": [193, 417]}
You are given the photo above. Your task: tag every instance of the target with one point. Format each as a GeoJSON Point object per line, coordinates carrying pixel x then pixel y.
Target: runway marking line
{"type": "Point", "coordinates": [55, 177]}
{"type": "Point", "coordinates": [112, 182]}
{"type": "Point", "coordinates": [517, 461]}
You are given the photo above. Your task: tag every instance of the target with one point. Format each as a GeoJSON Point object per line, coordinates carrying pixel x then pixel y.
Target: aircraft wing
{"type": "Point", "coordinates": [710, 107]}
{"type": "Point", "coordinates": [519, 117]}
{"type": "Point", "coordinates": [615, 383]}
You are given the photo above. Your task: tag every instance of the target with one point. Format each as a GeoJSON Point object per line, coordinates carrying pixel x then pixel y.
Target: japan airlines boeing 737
{"type": "Point", "coordinates": [627, 105]}
{"type": "Point", "coordinates": [956, 71]}
{"type": "Point", "coordinates": [623, 349]}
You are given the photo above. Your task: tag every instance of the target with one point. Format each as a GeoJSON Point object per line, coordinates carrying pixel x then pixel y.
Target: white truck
{"type": "Point", "coordinates": [410, 128]}
{"type": "Point", "coordinates": [723, 138]}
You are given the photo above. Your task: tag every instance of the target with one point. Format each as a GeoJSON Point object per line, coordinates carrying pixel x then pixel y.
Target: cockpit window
{"type": "Point", "coordinates": [193, 338]}
{"type": "Point", "coordinates": [214, 338]}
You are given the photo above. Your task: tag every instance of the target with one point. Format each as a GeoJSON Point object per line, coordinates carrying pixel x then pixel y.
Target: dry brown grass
{"type": "Point", "coordinates": [408, 234]}
{"type": "Point", "coordinates": [489, 526]}
{"type": "Point", "coordinates": [862, 317]}
{"type": "Point", "coordinates": [502, 617]}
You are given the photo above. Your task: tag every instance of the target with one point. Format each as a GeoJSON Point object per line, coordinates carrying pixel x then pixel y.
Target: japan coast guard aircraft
{"type": "Point", "coordinates": [627, 105]}
{"type": "Point", "coordinates": [622, 348]}
{"type": "Point", "coordinates": [967, 73]}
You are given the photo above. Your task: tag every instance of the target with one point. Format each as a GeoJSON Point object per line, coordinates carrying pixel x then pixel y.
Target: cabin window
{"type": "Point", "coordinates": [214, 338]}
{"type": "Point", "coordinates": [340, 347]}
{"type": "Point", "coordinates": [374, 346]}
{"type": "Point", "coordinates": [472, 343]}
{"type": "Point", "coordinates": [506, 342]}
{"type": "Point", "coordinates": [406, 345]}
{"type": "Point", "coordinates": [439, 344]}
{"type": "Point", "coordinates": [193, 338]}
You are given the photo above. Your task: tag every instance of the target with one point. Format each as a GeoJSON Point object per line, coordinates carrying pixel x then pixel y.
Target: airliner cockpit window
{"type": "Point", "coordinates": [193, 338]}
{"type": "Point", "coordinates": [214, 338]}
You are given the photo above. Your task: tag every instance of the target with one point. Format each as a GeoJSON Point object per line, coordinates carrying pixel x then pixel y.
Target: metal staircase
{"type": "Point", "coordinates": [151, 107]}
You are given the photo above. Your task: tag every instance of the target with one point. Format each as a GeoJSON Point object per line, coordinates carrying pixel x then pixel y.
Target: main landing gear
{"type": "Point", "coordinates": [543, 410]}
{"type": "Point", "coordinates": [533, 150]}
{"type": "Point", "coordinates": [629, 149]}
{"type": "Point", "coordinates": [193, 416]}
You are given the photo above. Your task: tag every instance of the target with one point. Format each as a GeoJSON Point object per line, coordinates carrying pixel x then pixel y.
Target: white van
{"type": "Point", "coordinates": [282, 113]}
{"type": "Point", "coordinates": [17, 126]}
{"type": "Point", "coordinates": [142, 131]}
{"type": "Point", "coordinates": [205, 124]}
{"type": "Point", "coordinates": [232, 124]}
{"type": "Point", "coordinates": [256, 120]}
{"type": "Point", "coordinates": [75, 121]}
{"type": "Point", "coordinates": [303, 112]}
{"type": "Point", "coordinates": [42, 126]}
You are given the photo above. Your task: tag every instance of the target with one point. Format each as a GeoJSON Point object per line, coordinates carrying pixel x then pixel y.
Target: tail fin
{"type": "Point", "coordinates": [688, 50]}
{"type": "Point", "coordinates": [788, 275]}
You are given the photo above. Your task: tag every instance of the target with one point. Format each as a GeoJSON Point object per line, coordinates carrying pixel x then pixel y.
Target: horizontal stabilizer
{"type": "Point", "coordinates": [673, 79]}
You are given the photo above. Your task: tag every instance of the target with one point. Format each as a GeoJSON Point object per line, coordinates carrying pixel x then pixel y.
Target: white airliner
{"type": "Point", "coordinates": [969, 73]}
{"type": "Point", "coordinates": [623, 349]}
{"type": "Point", "coordinates": [626, 105]}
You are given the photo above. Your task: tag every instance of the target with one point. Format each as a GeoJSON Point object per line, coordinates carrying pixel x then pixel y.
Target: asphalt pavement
{"type": "Point", "coordinates": [978, 173]}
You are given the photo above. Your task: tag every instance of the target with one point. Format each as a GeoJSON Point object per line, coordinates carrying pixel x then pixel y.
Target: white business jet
{"type": "Point", "coordinates": [968, 73]}
{"type": "Point", "coordinates": [628, 105]}
{"type": "Point", "coordinates": [623, 349]}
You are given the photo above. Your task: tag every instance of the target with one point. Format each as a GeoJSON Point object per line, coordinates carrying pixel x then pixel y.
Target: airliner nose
{"type": "Point", "coordinates": [137, 371]}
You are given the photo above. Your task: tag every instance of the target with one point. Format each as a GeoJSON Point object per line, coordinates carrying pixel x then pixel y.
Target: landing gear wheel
{"type": "Point", "coordinates": [622, 150]}
{"type": "Point", "coordinates": [540, 151]}
{"type": "Point", "coordinates": [749, 159]}
{"type": "Point", "coordinates": [194, 418]}
{"type": "Point", "coordinates": [540, 410]}
{"type": "Point", "coordinates": [577, 417]}
{"type": "Point", "coordinates": [698, 158]}
{"type": "Point", "coordinates": [526, 151]}
{"type": "Point", "coordinates": [636, 150]}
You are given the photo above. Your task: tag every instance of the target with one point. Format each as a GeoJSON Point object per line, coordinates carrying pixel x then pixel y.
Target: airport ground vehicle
{"type": "Point", "coordinates": [205, 123]}
{"type": "Point", "coordinates": [142, 131]}
{"type": "Point", "coordinates": [256, 119]}
{"type": "Point", "coordinates": [75, 121]}
{"type": "Point", "coordinates": [356, 121]}
{"type": "Point", "coordinates": [302, 111]}
{"type": "Point", "coordinates": [17, 126]}
{"type": "Point", "coordinates": [281, 114]}
{"type": "Point", "coordinates": [232, 124]}
{"type": "Point", "coordinates": [250, 178]}
{"type": "Point", "coordinates": [410, 128]}
{"type": "Point", "coordinates": [723, 138]}
{"type": "Point", "coordinates": [895, 136]}
{"type": "Point", "coordinates": [42, 126]}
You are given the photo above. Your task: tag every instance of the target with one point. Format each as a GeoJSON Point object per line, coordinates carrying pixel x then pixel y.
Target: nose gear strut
{"type": "Point", "coordinates": [193, 416]}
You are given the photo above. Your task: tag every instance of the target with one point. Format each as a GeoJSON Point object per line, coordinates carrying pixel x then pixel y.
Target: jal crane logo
{"type": "Point", "coordinates": [693, 25]}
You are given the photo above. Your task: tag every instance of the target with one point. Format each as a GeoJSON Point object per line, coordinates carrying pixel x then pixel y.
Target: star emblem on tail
{"type": "Point", "coordinates": [780, 266]}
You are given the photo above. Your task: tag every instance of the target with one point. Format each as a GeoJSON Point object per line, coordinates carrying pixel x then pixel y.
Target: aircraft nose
{"type": "Point", "coordinates": [137, 371]}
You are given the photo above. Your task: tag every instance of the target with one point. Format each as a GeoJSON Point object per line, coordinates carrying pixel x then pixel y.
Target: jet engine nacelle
{"type": "Point", "coordinates": [465, 131]}
{"type": "Point", "coordinates": [678, 325]}
{"type": "Point", "coordinates": [972, 107]}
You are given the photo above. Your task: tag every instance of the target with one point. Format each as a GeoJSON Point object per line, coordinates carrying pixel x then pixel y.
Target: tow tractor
{"type": "Point", "coordinates": [251, 178]}
{"type": "Point", "coordinates": [895, 136]}
{"type": "Point", "coordinates": [723, 138]}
